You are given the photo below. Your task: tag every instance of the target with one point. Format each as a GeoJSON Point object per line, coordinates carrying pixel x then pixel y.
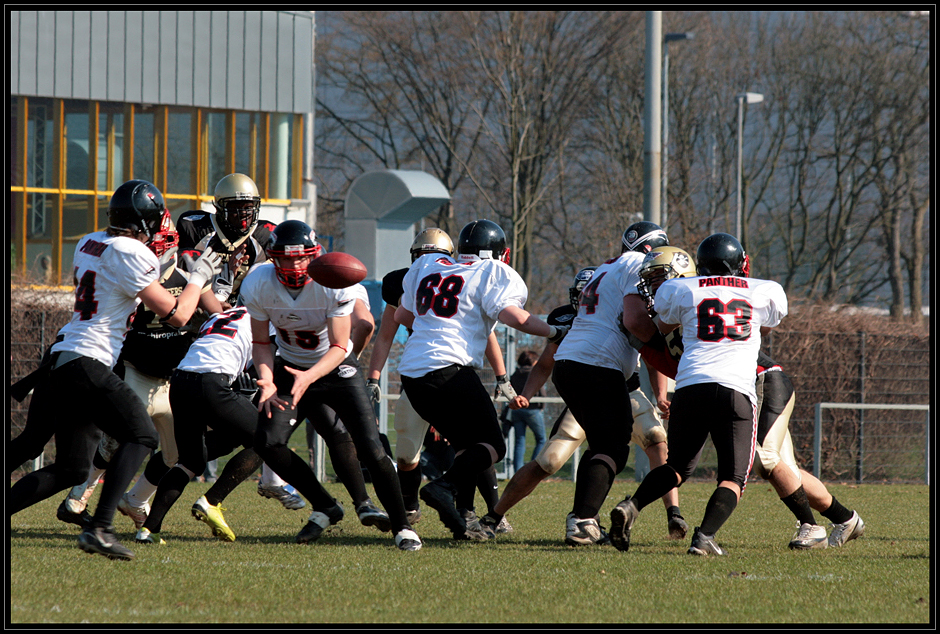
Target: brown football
{"type": "Point", "coordinates": [337, 270]}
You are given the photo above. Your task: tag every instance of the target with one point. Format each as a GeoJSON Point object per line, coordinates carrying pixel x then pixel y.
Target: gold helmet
{"type": "Point", "coordinates": [237, 204]}
{"type": "Point", "coordinates": [431, 240]}
{"type": "Point", "coordinates": [661, 264]}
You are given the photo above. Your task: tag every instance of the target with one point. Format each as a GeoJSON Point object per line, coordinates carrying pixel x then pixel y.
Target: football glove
{"type": "Point", "coordinates": [375, 392]}
{"type": "Point", "coordinates": [558, 333]}
{"type": "Point", "coordinates": [504, 387]}
{"type": "Point", "coordinates": [205, 268]}
{"type": "Point", "coordinates": [245, 385]}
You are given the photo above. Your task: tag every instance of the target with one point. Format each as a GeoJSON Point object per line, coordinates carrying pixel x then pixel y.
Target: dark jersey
{"type": "Point", "coordinates": [392, 287]}
{"type": "Point", "coordinates": [153, 347]}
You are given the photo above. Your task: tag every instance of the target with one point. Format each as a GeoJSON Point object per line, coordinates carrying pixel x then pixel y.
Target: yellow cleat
{"type": "Point", "coordinates": [212, 515]}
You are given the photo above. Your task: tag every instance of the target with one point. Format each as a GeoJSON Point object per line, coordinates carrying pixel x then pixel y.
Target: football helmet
{"type": "Point", "coordinates": [431, 240]}
{"type": "Point", "coordinates": [138, 206]}
{"type": "Point", "coordinates": [721, 254]}
{"type": "Point", "coordinates": [292, 239]}
{"type": "Point", "coordinates": [581, 280]}
{"type": "Point", "coordinates": [237, 205]}
{"type": "Point", "coordinates": [165, 245]}
{"type": "Point", "coordinates": [643, 237]}
{"type": "Point", "coordinates": [661, 264]}
{"type": "Point", "coordinates": [482, 239]}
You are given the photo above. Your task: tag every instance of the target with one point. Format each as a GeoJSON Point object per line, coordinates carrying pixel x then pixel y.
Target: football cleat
{"type": "Point", "coordinates": [489, 524]}
{"type": "Point", "coordinates": [622, 517]}
{"type": "Point", "coordinates": [808, 536]}
{"type": "Point", "coordinates": [413, 516]}
{"type": "Point", "coordinates": [212, 515]}
{"type": "Point", "coordinates": [77, 499]}
{"type": "Point", "coordinates": [847, 531]}
{"type": "Point", "coordinates": [101, 540]}
{"type": "Point", "coordinates": [371, 515]}
{"type": "Point", "coordinates": [439, 496]}
{"type": "Point", "coordinates": [678, 529]}
{"type": "Point", "coordinates": [503, 527]}
{"type": "Point", "coordinates": [474, 531]}
{"type": "Point", "coordinates": [144, 536]}
{"type": "Point", "coordinates": [286, 496]}
{"type": "Point", "coordinates": [583, 532]}
{"type": "Point", "coordinates": [82, 519]}
{"type": "Point", "coordinates": [137, 513]}
{"type": "Point", "coordinates": [318, 522]}
{"type": "Point", "coordinates": [407, 540]}
{"type": "Point", "coordinates": [704, 545]}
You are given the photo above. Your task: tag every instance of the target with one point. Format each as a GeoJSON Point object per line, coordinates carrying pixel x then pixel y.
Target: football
{"type": "Point", "coordinates": [337, 270]}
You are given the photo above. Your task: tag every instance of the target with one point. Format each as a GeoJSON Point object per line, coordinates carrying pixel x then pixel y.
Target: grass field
{"type": "Point", "coordinates": [356, 575]}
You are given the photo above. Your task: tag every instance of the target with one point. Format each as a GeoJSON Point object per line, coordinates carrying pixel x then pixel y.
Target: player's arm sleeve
{"type": "Point", "coordinates": [344, 301]}
{"type": "Point", "coordinates": [249, 297]}
{"type": "Point", "coordinates": [667, 303]}
{"type": "Point", "coordinates": [777, 305]}
{"type": "Point", "coordinates": [139, 272]}
{"type": "Point", "coordinates": [504, 288]}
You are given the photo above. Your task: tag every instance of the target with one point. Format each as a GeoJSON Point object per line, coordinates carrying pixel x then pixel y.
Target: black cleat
{"type": "Point", "coordinates": [82, 519]}
{"type": "Point", "coordinates": [371, 515]}
{"type": "Point", "coordinates": [622, 517]}
{"type": "Point", "coordinates": [102, 541]}
{"type": "Point", "coordinates": [440, 497]}
{"type": "Point", "coordinates": [677, 527]}
{"type": "Point", "coordinates": [318, 522]}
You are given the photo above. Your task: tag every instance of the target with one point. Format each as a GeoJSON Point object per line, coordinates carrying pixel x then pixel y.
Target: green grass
{"type": "Point", "coordinates": [356, 575]}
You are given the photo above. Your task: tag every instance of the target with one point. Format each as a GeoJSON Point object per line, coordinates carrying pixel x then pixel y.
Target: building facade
{"type": "Point", "coordinates": [179, 98]}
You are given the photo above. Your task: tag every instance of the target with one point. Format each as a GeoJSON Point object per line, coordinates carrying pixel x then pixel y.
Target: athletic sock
{"type": "Point", "coordinates": [347, 468]}
{"type": "Point", "coordinates": [489, 488]}
{"type": "Point", "coordinates": [124, 464]}
{"type": "Point", "coordinates": [672, 511]}
{"type": "Point", "coordinates": [719, 508]}
{"type": "Point", "coordinates": [836, 513]}
{"type": "Point", "coordinates": [170, 489]}
{"type": "Point", "coordinates": [594, 480]}
{"type": "Point", "coordinates": [798, 504]}
{"type": "Point", "coordinates": [655, 485]}
{"type": "Point", "coordinates": [410, 482]}
{"type": "Point", "coordinates": [238, 469]}
{"type": "Point", "coordinates": [297, 472]}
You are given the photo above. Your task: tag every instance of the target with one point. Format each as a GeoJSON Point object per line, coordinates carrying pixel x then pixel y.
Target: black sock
{"type": "Point", "coordinates": [836, 513]}
{"type": "Point", "coordinates": [347, 468]}
{"type": "Point", "coordinates": [124, 464]}
{"type": "Point", "coordinates": [168, 492]}
{"type": "Point", "coordinates": [297, 472]}
{"type": "Point", "coordinates": [238, 469]}
{"type": "Point", "coordinates": [488, 487]}
{"type": "Point", "coordinates": [719, 508]}
{"type": "Point", "coordinates": [655, 485]}
{"type": "Point", "coordinates": [798, 504]}
{"type": "Point", "coordinates": [466, 467]}
{"type": "Point", "coordinates": [410, 482]}
{"type": "Point", "coordinates": [155, 468]}
{"type": "Point", "coordinates": [591, 490]}
{"type": "Point", "coordinates": [672, 511]}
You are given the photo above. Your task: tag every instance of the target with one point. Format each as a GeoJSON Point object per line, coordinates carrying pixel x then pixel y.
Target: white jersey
{"type": "Point", "coordinates": [456, 306]}
{"type": "Point", "coordinates": [721, 319]}
{"type": "Point", "coordinates": [595, 337]}
{"type": "Point", "coordinates": [223, 345]}
{"type": "Point", "coordinates": [360, 292]}
{"type": "Point", "coordinates": [109, 272]}
{"type": "Point", "coordinates": [300, 323]}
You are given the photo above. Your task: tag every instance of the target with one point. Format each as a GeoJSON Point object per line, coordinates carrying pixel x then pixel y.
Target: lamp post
{"type": "Point", "coordinates": [749, 97]}
{"type": "Point", "coordinates": [670, 37]}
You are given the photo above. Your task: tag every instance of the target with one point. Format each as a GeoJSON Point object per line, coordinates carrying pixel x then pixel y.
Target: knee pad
{"type": "Point", "coordinates": [562, 445]}
{"type": "Point", "coordinates": [410, 430]}
{"type": "Point", "coordinates": [647, 426]}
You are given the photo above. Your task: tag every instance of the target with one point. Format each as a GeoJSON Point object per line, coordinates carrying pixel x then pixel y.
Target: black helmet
{"type": "Point", "coordinates": [137, 205]}
{"type": "Point", "coordinates": [581, 280]}
{"type": "Point", "coordinates": [720, 254]}
{"type": "Point", "coordinates": [292, 238]}
{"type": "Point", "coordinates": [484, 239]}
{"type": "Point", "coordinates": [643, 237]}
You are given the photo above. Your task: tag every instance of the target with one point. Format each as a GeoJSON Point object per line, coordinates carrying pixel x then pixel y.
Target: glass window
{"type": "Point", "coordinates": [279, 156]}
{"type": "Point", "coordinates": [76, 148]}
{"type": "Point", "coordinates": [110, 125]}
{"type": "Point", "coordinates": [215, 144]}
{"type": "Point", "coordinates": [179, 152]}
{"type": "Point", "coordinates": [40, 155]}
{"type": "Point", "coordinates": [143, 144]}
{"type": "Point", "coordinates": [243, 143]}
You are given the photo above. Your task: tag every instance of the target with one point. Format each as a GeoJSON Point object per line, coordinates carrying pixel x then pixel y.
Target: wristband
{"type": "Point", "coordinates": [336, 345]}
{"type": "Point", "coordinates": [263, 343]}
{"type": "Point", "coordinates": [169, 315]}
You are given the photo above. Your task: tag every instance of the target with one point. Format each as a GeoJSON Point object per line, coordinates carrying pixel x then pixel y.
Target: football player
{"type": "Point", "coordinates": [315, 368]}
{"type": "Point", "coordinates": [799, 490]}
{"type": "Point", "coordinates": [451, 306]}
{"type": "Point", "coordinates": [722, 314]}
{"type": "Point", "coordinates": [596, 358]}
{"type": "Point", "coordinates": [567, 435]}
{"type": "Point", "coordinates": [410, 428]}
{"type": "Point", "coordinates": [114, 270]}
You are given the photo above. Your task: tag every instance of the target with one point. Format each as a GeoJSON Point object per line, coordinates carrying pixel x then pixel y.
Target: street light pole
{"type": "Point", "coordinates": [670, 37]}
{"type": "Point", "coordinates": [749, 97]}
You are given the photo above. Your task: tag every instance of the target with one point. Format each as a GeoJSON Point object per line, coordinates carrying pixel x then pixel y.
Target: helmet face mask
{"type": "Point", "coordinates": [643, 237]}
{"type": "Point", "coordinates": [482, 239]}
{"type": "Point", "coordinates": [166, 239]}
{"type": "Point", "coordinates": [291, 247]}
{"type": "Point", "coordinates": [581, 279]}
{"type": "Point", "coordinates": [237, 204]}
{"type": "Point", "coordinates": [722, 254]}
{"type": "Point", "coordinates": [661, 264]}
{"type": "Point", "coordinates": [431, 240]}
{"type": "Point", "coordinates": [137, 206]}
